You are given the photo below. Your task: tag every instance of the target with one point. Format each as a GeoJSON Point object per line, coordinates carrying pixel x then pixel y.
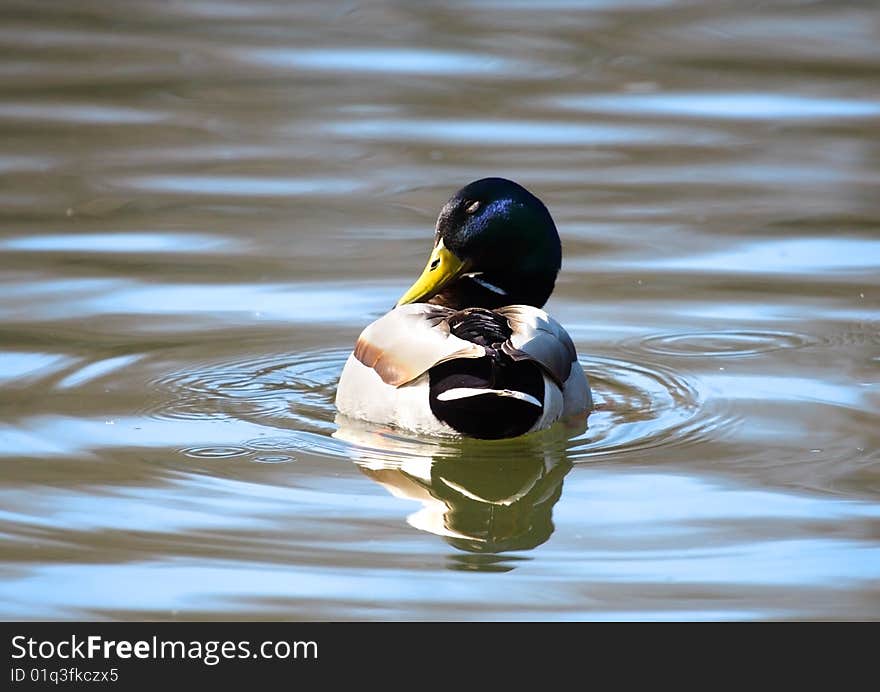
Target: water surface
{"type": "Point", "coordinates": [202, 204]}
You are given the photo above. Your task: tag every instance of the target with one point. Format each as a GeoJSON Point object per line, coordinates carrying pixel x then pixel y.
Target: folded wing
{"type": "Point", "coordinates": [410, 340]}
{"type": "Point", "coordinates": [538, 337]}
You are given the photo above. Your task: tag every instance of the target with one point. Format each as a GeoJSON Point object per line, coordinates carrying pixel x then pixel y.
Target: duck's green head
{"type": "Point", "coordinates": [496, 244]}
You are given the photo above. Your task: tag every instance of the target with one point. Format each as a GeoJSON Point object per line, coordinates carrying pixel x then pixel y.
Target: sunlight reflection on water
{"type": "Point", "coordinates": [204, 203]}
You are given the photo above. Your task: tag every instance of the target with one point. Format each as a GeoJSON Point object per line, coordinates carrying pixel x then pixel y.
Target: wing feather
{"type": "Point", "coordinates": [410, 340]}
{"type": "Point", "coordinates": [538, 337]}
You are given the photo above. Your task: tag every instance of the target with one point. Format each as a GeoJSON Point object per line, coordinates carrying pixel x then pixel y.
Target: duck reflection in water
{"type": "Point", "coordinates": [481, 497]}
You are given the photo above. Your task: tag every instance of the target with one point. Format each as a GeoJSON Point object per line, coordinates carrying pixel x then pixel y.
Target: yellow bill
{"type": "Point", "coordinates": [443, 266]}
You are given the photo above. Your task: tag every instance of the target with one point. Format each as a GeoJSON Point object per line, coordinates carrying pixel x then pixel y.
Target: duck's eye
{"type": "Point", "coordinates": [472, 208]}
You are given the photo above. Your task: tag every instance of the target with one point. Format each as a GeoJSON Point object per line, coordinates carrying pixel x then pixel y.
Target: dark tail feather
{"type": "Point", "coordinates": [489, 398]}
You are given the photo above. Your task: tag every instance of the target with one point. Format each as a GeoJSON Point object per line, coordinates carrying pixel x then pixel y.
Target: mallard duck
{"type": "Point", "coordinates": [467, 350]}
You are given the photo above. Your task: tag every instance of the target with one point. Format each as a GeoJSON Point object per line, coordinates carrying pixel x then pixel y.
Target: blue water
{"type": "Point", "coordinates": [204, 203]}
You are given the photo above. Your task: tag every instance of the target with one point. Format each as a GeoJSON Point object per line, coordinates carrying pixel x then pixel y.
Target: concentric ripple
{"type": "Point", "coordinates": [638, 405]}
{"type": "Point", "coordinates": [729, 344]}
{"type": "Point", "coordinates": [291, 395]}
{"type": "Point", "coordinates": [220, 452]}
{"type": "Point", "coordinates": [276, 389]}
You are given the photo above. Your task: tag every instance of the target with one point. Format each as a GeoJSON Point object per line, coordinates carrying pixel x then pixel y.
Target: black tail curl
{"type": "Point", "coordinates": [489, 415]}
